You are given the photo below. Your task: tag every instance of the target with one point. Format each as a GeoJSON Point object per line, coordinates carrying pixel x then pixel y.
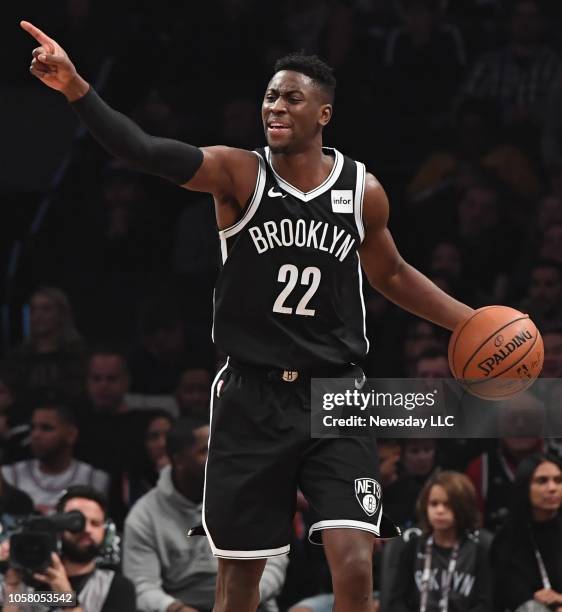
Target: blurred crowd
{"type": "Point", "coordinates": [457, 108]}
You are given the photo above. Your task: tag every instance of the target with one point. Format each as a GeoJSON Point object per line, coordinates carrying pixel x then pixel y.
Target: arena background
{"type": "Point", "coordinates": [455, 106]}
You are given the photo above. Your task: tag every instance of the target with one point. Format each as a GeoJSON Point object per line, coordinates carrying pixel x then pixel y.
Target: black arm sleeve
{"type": "Point", "coordinates": [124, 139]}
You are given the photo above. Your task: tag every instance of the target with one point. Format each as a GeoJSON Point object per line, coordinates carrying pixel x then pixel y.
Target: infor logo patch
{"type": "Point", "coordinates": [342, 200]}
{"type": "Point", "coordinates": [368, 494]}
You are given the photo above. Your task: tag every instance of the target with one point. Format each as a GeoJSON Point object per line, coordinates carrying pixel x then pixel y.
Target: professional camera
{"type": "Point", "coordinates": [32, 543]}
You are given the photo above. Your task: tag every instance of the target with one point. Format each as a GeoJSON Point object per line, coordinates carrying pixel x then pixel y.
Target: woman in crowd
{"type": "Point", "coordinates": [445, 569]}
{"type": "Point", "coordinates": [527, 551]}
{"type": "Point", "coordinates": [52, 358]}
{"type": "Point", "coordinates": [150, 456]}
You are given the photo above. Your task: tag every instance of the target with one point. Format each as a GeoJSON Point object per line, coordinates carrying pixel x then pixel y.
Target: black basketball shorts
{"type": "Point", "coordinates": [260, 451]}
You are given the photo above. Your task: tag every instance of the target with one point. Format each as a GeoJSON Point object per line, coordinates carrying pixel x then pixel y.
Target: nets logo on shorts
{"type": "Point", "coordinates": [368, 494]}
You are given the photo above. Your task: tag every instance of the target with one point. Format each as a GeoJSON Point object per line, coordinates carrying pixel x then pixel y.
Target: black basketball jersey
{"type": "Point", "coordinates": [289, 294]}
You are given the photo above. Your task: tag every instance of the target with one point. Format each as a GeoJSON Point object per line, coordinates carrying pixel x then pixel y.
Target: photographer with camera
{"type": "Point", "coordinates": [97, 590]}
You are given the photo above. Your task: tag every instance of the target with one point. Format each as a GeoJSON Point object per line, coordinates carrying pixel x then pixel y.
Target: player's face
{"type": "Point", "coordinates": [439, 512]}
{"type": "Point", "coordinates": [294, 111]}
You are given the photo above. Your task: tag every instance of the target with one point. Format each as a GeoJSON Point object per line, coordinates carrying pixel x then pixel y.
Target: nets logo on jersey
{"type": "Point", "coordinates": [342, 200]}
{"type": "Point", "coordinates": [368, 494]}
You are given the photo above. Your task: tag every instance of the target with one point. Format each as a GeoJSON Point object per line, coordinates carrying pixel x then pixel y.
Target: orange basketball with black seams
{"type": "Point", "coordinates": [496, 353]}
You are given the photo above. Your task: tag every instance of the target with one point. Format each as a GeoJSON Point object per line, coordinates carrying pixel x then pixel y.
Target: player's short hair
{"type": "Point", "coordinates": [181, 434]}
{"type": "Point", "coordinates": [85, 492]}
{"type": "Point", "coordinates": [312, 66]}
{"type": "Point", "coordinates": [462, 500]}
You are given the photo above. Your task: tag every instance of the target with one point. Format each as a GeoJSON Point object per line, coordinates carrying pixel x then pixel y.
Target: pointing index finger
{"type": "Point", "coordinates": [39, 35]}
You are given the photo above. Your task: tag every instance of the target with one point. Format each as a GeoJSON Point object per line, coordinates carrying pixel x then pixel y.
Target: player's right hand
{"type": "Point", "coordinates": [50, 63]}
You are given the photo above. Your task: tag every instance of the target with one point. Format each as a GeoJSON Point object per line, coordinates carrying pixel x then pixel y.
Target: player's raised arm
{"type": "Point", "coordinates": [225, 172]}
{"type": "Point", "coordinates": [396, 279]}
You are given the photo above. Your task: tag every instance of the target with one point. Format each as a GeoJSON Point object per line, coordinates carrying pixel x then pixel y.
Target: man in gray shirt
{"type": "Point", "coordinates": [173, 572]}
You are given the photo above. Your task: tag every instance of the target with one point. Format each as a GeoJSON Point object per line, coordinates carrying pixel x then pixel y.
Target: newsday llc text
{"type": "Point", "coordinates": [403, 408]}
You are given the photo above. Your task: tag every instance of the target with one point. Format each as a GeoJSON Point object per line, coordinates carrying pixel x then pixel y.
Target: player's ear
{"type": "Point", "coordinates": [325, 114]}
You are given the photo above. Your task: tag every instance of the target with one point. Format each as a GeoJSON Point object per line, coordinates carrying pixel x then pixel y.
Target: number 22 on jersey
{"type": "Point", "coordinates": [289, 273]}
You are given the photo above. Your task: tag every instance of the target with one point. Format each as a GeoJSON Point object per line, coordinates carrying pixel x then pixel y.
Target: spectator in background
{"type": "Point", "coordinates": [118, 241]}
{"type": "Point", "coordinates": [552, 367]}
{"type": "Point", "coordinates": [477, 142]}
{"type": "Point", "coordinates": [447, 567]}
{"type": "Point", "coordinates": [484, 236]}
{"type": "Point", "coordinates": [527, 552]}
{"type": "Point", "coordinates": [173, 573]}
{"type": "Point", "coordinates": [193, 393]}
{"type": "Point", "coordinates": [53, 357]}
{"type": "Point", "coordinates": [419, 457]}
{"type": "Point", "coordinates": [521, 427]}
{"type": "Point", "coordinates": [160, 358]}
{"type": "Point", "coordinates": [389, 453]}
{"type": "Point", "coordinates": [544, 295]}
{"type": "Point", "coordinates": [7, 408]}
{"type": "Point", "coordinates": [108, 420]}
{"type": "Point", "coordinates": [519, 76]}
{"type": "Point", "coordinates": [554, 422]}
{"type": "Point", "coordinates": [551, 138]}
{"type": "Point", "coordinates": [549, 212]}
{"type": "Point", "coordinates": [107, 381]}
{"type": "Point", "coordinates": [432, 363]}
{"type": "Point", "coordinates": [551, 247]}
{"type": "Point", "coordinates": [425, 61]}
{"type": "Point", "coordinates": [420, 336]}
{"type": "Point", "coordinates": [53, 469]}
{"type": "Point", "coordinates": [418, 460]}
{"type": "Point", "coordinates": [196, 260]}
{"type": "Point", "coordinates": [555, 179]}
{"type": "Point", "coordinates": [454, 453]}
{"type": "Point", "coordinates": [318, 26]}
{"type": "Point", "coordinates": [13, 501]}
{"type": "Point", "coordinates": [148, 458]}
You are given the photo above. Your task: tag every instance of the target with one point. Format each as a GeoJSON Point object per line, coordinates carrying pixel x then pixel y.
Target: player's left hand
{"type": "Point", "coordinates": [55, 576]}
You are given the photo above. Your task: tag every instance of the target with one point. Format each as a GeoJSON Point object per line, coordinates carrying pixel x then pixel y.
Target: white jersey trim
{"type": "Point", "coordinates": [358, 201]}
{"type": "Point", "coordinates": [314, 193]}
{"type": "Point", "coordinates": [250, 554]}
{"type": "Point", "coordinates": [344, 524]}
{"type": "Point", "coordinates": [250, 209]}
{"type": "Point", "coordinates": [218, 552]}
{"type": "Point", "coordinates": [364, 310]}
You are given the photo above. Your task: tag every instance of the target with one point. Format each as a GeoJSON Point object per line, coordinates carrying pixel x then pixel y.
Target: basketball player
{"type": "Point", "coordinates": [295, 219]}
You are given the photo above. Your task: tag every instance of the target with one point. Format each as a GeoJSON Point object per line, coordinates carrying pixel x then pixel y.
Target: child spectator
{"type": "Point", "coordinates": [446, 567]}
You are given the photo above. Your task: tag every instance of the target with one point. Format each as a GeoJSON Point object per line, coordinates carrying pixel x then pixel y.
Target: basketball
{"type": "Point", "coordinates": [496, 353]}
